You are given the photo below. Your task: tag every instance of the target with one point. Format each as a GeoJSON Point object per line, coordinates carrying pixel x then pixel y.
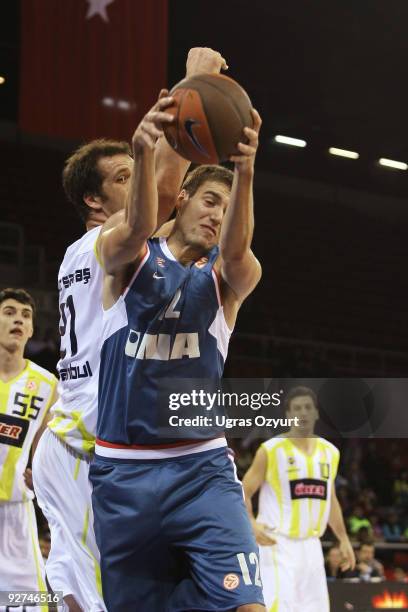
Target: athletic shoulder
{"type": "Point", "coordinates": [85, 244]}
{"type": "Point", "coordinates": [42, 372]}
{"type": "Point", "coordinates": [328, 445]}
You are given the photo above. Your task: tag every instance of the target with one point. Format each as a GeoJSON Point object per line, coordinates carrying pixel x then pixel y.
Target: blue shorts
{"type": "Point", "coordinates": [174, 534]}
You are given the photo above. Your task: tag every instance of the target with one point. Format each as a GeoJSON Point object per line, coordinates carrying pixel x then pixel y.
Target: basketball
{"type": "Point", "coordinates": [211, 111]}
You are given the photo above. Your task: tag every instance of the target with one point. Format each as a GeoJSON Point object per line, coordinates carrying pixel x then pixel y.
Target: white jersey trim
{"type": "Point", "coordinates": [221, 332]}
{"type": "Point", "coordinates": [165, 249]}
{"type": "Point", "coordinates": [161, 453]}
{"type": "Point", "coordinates": [140, 266]}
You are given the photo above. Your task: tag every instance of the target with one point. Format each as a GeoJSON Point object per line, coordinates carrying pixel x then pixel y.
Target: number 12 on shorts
{"type": "Point", "coordinates": [253, 560]}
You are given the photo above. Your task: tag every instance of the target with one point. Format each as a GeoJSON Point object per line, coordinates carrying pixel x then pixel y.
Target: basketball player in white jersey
{"type": "Point", "coordinates": [97, 180]}
{"type": "Point", "coordinates": [26, 393]}
{"type": "Point", "coordinates": [295, 473]}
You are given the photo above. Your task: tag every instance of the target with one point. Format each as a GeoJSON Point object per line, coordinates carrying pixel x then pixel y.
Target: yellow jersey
{"type": "Point", "coordinates": [24, 402]}
{"type": "Point", "coordinates": [295, 496]}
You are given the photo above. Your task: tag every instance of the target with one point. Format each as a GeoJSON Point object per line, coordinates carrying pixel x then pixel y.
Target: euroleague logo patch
{"type": "Point", "coordinates": [201, 262]}
{"type": "Point", "coordinates": [231, 582]}
{"type": "Point", "coordinates": [31, 385]}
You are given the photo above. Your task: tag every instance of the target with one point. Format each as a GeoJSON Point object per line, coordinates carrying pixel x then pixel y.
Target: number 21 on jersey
{"type": "Point", "coordinates": [68, 309]}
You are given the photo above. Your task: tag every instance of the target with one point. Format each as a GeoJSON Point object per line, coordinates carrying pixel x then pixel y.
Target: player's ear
{"type": "Point", "coordinates": [182, 196]}
{"type": "Point", "coordinates": [93, 201]}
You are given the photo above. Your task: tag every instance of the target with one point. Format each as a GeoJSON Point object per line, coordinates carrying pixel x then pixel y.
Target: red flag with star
{"type": "Point", "coordinates": [90, 68]}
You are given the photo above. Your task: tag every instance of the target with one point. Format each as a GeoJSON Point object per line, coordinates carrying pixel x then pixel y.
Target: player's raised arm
{"type": "Point", "coordinates": [239, 267]}
{"type": "Point", "coordinates": [122, 244]}
{"type": "Point", "coordinates": [171, 167]}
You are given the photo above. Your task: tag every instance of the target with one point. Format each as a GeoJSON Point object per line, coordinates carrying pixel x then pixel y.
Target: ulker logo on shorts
{"type": "Point", "coordinates": [231, 581]}
{"type": "Point", "coordinates": [13, 430]}
{"type": "Point", "coordinates": [308, 488]}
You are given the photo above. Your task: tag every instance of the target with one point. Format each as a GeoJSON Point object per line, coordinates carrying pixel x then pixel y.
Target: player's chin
{"type": "Point", "coordinates": [203, 243]}
{"type": "Point", "coordinates": [15, 342]}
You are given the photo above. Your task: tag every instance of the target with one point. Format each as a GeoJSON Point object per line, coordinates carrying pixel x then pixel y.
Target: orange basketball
{"type": "Point", "coordinates": [211, 112]}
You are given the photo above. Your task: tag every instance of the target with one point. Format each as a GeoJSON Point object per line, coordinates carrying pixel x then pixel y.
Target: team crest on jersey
{"type": "Point", "coordinates": [31, 385]}
{"type": "Point", "coordinates": [231, 581]}
{"type": "Point", "coordinates": [201, 262]}
{"type": "Point", "coordinates": [13, 430]}
{"type": "Point", "coordinates": [292, 465]}
{"type": "Point", "coordinates": [324, 470]}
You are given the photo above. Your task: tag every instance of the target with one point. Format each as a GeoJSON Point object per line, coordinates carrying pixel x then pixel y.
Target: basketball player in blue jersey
{"type": "Point", "coordinates": [169, 309]}
{"type": "Point", "coordinates": [97, 182]}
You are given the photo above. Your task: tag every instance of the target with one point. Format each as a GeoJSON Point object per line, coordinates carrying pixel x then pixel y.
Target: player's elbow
{"type": "Point", "coordinates": [140, 230]}
{"type": "Point", "coordinates": [250, 486]}
{"type": "Point", "coordinates": [234, 255]}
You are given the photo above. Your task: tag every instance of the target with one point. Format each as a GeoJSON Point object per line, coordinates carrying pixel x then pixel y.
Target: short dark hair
{"type": "Point", "coordinates": [81, 175]}
{"type": "Point", "coordinates": [204, 173]}
{"type": "Point", "coordinates": [299, 392]}
{"type": "Point", "coordinates": [369, 543]}
{"type": "Point", "coordinates": [20, 295]}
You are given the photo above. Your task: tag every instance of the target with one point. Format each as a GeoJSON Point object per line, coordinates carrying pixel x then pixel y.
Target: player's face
{"type": "Point", "coordinates": [303, 407]}
{"type": "Point", "coordinates": [16, 324]}
{"type": "Point", "coordinates": [116, 172]}
{"type": "Point", "coordinates": [200, 216]}
{"type": "Point", "coordinates": [366, 554]}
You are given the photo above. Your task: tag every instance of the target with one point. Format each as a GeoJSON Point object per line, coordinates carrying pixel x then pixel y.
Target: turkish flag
{"type": "Point", "coordinates": [90, 68]}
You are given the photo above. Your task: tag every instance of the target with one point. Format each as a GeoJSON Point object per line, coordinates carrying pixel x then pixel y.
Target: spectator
{"type": "Point", "coordinates": [400, 575]}
{"type": "Point", "coordinates": [357, 520]}
{"type": "Point", "coordinates": [367, 568]}
{"type": "Point", "coordinates": [333, 563]}
{"type": "Point", "coordinates": [376, 527]}
{"type": "Point", "coordinates": [392, 528]}
{"type": "Point", "coordinates": [364, 535]}
{"type": "Point", "coordinates": [401, 489]}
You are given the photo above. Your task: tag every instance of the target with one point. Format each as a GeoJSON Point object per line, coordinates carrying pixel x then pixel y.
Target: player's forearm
{"type": "Point", "coordinates": [238, 224]}
{"type": "Point", "coordinates": [142, 202]}
{"type": "Point", "coordinates": [170, 171]}
{"type": "Point", "coordinates": [336, 521]}
{"type": "Point", "coordinates": [250, 488]}
{"type": "Point", "coordinates": [248, 503]}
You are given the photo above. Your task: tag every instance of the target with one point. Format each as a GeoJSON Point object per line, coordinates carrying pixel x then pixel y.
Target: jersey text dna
{"type": "Point", "coordinates": [159, 346]}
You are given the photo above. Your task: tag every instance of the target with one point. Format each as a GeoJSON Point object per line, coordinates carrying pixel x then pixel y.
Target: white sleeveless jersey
{"type": "Point", "coordinates": [295, 496]}
{"type": "Point", "coordinates": [24, 402]}
{"type": "Point", "coordinates": [80, 304]}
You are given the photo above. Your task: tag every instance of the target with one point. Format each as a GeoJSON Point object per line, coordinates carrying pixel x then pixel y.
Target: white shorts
{"type": "Point", "coordinates": [61, 483]}
{"type": "Point", "coordinates": [21, 563]}
{"type": "Point", "coordinates": [293, 576]}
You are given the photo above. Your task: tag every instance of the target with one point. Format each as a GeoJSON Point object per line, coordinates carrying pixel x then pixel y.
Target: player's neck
{"type": "Point", "coordinates": [306, 444]}
{"type": "Point", "coordinates": [92, 223]}
{"type": "Point", "coordinates": [12, 363]}
{"type": "Point", "coordinates": [96, 218]}
{"type": "Point", "coordinates": [184, 253]}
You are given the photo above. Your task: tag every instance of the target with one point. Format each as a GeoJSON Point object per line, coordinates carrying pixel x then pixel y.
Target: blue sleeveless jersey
{"type": "Point", "coordinates": [169, 323]}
